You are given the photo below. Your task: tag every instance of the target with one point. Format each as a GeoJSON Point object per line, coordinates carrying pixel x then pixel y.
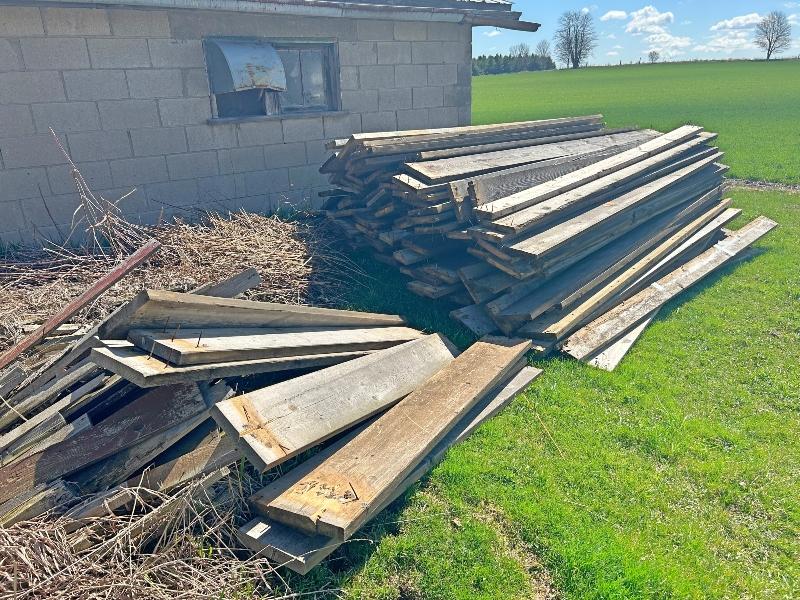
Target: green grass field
{"type": "Point", "coordinates": [677, 475]}
{"type": "Point", "coordinates": [754, 106]}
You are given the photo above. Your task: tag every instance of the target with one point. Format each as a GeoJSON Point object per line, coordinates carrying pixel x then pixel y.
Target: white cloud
{"type": "Point", "coordinates": [727, 42]}
{"type": "Point", "coordinates": [791, 4]}
{"type": "Point", "coordinates": [612, 53]}
{"type": "Point", "coordinates": [617, 47]}
{"type": "Point", "coordinates": [686, 22]}
{"type": "Point", "coordinates": [614, 15]}
{"type": "Point", "coordinates": [590, 8]}
{"type": "Point", "coordinates": [741, 22]}
{"type": "Point", "coordinates": [648, 20]}
{"type": "Point", "coordinates": [611, 36]}
{"type": "Point", "coordinates": [492, 33]}
{"type": "Point", "coordinates": [793, 19]}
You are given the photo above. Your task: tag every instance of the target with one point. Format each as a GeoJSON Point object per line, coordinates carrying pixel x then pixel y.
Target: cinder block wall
{"type": "Point", "coordinates": [127, 93]}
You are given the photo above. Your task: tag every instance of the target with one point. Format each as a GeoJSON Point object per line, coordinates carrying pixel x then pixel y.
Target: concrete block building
{"type": "Point", "coordinates": [213, 104]}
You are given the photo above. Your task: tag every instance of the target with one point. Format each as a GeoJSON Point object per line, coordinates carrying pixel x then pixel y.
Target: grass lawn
{"type": "Point", "coordinates": [754, 106]}
{"type": "Point", "coordinates": [678, 475]}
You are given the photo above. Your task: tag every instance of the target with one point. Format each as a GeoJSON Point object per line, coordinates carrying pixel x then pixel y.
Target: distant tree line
{"type": "Point", "coordinates": [519, 58]}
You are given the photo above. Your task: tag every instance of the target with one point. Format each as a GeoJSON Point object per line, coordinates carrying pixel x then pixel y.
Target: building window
{"type": "Point", "coordinates": [250, 77]}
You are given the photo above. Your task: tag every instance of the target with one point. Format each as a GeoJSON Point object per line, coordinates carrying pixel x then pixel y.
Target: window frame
{"type": "Point", "coordinates": [331, 72]}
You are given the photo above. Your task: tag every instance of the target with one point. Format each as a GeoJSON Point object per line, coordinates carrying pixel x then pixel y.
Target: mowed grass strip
{"type": "Point", "coordinates": [753, 105]}
{"type": "Point", "coordinates": [676, 476]}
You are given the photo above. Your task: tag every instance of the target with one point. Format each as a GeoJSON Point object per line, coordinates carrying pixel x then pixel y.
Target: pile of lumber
{"type": "Point", "coordinates": [172, 389]}
{"type": "Point", "coordinates": [542, 229]}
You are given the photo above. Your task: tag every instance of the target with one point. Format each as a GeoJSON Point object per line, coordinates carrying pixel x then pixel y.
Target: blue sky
{"type": "Point", "coordinates": [678, 29]}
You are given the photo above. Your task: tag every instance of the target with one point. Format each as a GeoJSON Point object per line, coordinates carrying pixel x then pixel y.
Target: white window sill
{"type": "Point", "coordinates": [281, 117]}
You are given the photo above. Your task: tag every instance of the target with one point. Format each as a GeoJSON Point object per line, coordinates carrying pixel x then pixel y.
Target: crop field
{"type": "Point", "coordinates": [754, 106]}
{"type": "Point", "coordinates": [677, 475]}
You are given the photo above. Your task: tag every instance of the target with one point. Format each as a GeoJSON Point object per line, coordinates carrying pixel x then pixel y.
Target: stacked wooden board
{"type": "Point", "coordinates": [136, 412]}
{"type": "Point", "coordinates": [540, 228]}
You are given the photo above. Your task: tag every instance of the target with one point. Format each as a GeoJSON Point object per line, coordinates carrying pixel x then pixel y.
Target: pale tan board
{"type": "Point", "coordinates": [145, 370]}
{"type": "Point", "coordinates": [275, 423]}
{"type": "Point", "coordinates": [334, 499]}
{"type": "Point", "coordinates": [302, 552]}
{"type": "Point", "coordinates": [609, 359]}
{"type": "Point", "coordinates": [205, 346]}
{"type": "Point", "coordinates": [612, 325]}
{"type": "Point", "coordinates": [160, 309]}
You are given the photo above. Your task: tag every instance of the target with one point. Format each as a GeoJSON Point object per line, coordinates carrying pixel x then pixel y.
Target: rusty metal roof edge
{"type": "Point", "coordinates": [324, 8]}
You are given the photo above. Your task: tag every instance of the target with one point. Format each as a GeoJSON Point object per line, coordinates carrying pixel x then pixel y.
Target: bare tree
{"type": "Point", "coordinates": [575, 38]}
{"type": "Point", "coordinates": [653, 56]}
{"type": "Point", "coordinates": [773, 33]}
{"type": "Point", "coordinates": [521, 50]}
{"type": "Point", "coordinates": [542, 49]}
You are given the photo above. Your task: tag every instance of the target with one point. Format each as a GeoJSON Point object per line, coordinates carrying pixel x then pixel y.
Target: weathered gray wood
{"type": "Point", "coordinates": [334, 498]}
{"type": "Point", "coordinates": [205, 346]}
{"type": "Point", "coordinates": [609, 358]}
{"type": "Point", "coordinates": [160, 309]}
{"type": "Point", "coordinates": [233, 286]}
{"type": "Point", "coordinates": [626, 164]}
{"type": "Point", "coordinates": [146, 371]}
{"type": "Point", "coordinates": [626, 315]}
{"type": "Point", "coordinates": [273, 424]}
{"type": "Point", "coordinates": [476, 319]}
{"type": "Point", "coordinates": [67, 430]}
{"type": "Point", "coordinates": [302, 552]}
{"type": "Point", "coordinates": [35, 502]}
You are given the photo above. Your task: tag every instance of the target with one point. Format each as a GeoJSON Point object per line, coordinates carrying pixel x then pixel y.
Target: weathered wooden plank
{"type": "Point", "coordinates": [334, 498]}
{"type": "Point", "coordinates": [302, 552]}
{"type": "Point", "coordinates": [36, 501]}
{"type": "Point", "coordinates": [428, 290]}
{"type": "Point", "coordinates": [233, 286]}
{"type": "Point", "coordinates": [204, 346]}
{"type": "Point", "coordinates": [144, 370]}
{"type": "Point", "coordinates": [100, 286]}
{"type": "Point", "coordinates": [626, 315]}
{"type": "Point", "coordinates": [476, 319]}
{"type": "Point", "coordinates": [609, 358]}
{"type": "Point", "coordinates": [626, 164]}
{"type": "Point", "coordinates": [275, 423]}
{"type": "Point", "coordinates": [153, 412]}
{"type": "Point", "coordinates": [159, 309]}
{"type": "Point", "coordinates": [32, 446]}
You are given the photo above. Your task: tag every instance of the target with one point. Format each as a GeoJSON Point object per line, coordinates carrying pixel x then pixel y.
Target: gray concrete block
{"type": "Point", "coordinates": [411, 75]}
{"type": "Point", "coordinates": [447, 32]}
{"type": "Point", "coordinates": [184, 111]}
{"type": "Point", "coordinates": [443, 74]}
{"type": "Point", "coordinates": [426, 53]}
{"type": "Point", "coordinates": [17, 237]}
{"type": "Point", "coordinates": [374, 30]}
{"type": "Point", "coordinates": [176, 53]}
{"type": "Point", "coordinates": [172, 193]}
{"type": "Point", "coordinates": [66, 116]}
{"type": "Point", "coordinates": [10, 59]}
{"type": "Point", "coordinates": [20, 21]}
{"type": "Point", "coordinates": [316, 153]}
{"type": "Point", "coordinates": [193, 164]}
{"type": "Point", "coordinates": [15, 120]}
{"type": "Point", "coordinates": [465, 75]}
{"type": "Point", "coordinates": [195, 82]}
{"type": "Point", "coordinates": [31, 151]}
{"type": "Point", "coordinates": [348, 78]}
{"type": "Point", "coordinates": [96, 85]}
{"type": "Point", "coordinates": [355, 123]}
{"type": "Point", "coordinates": [465, 115]}
{"type": "Point", "coordinates": [118, 53]}
{"type": "Point", "coordinates": [360, 101]}
{"type": "Point", "coordinates": [197, 24]}
{"type": "Point", "coordinates": [456, 95]}
{"type": "Point", "coordinates": [211, 137]}
{"type": "Point", "coordinates": [337, 126]}
{"type": "Point", "coordinates": [216, 189]}
{"type": "Point", "coordinates": [303, 129]}
{"type": "Point", "coordinates": [413, 119]}
{"type": "Point", "coordinates": [96, 174]}
{"type": "Point", "coordinates": [395, 99]}
{"type": "Point", "coordinates": [358, 53]}
{"type": "Point", "coordinates": [376, 76]}
{"type": "Point", "coordinates": [411, 31]}
{"type": "Point", "coordinates": [258, 133]}
{"type": "Point", "coordinates": [456, 52]}
{"type": "Point", "coordinates": [54, 53]}
{"type": "Point", "coordinates": [76, 21]}
{"type": "Point", "coordinates": [379, 121]}
{"type": "Point", "coordinates": [155, 83]}
{"type": "Point", "coordinates": [22, 183]}
{"type": "Point", "coordinates": [158, 140]}
{"type": "Point", "coordinates": [264, 182]}
{"type": "Point", "coordinates": [133, 200]}
{"type": "Point", "coordinates": [427, 97]}
{"type": "Point", "coordinates": [241, 160]}
{"type": "Point", "coordinates": [277, 156]}
{"type": "Point", "coordinates": [306, 176]}
{"type": "Point", "coordinates": [128, 114]}
{"type": "Point", "coordinates": [139, 23]}
{"type": "Point", "coordinates": [99, 145]}
{"type": "Point", "coordinates": [27, 87]}
{"type": "Point", "coordinates": [446, 116]}
{"type": "Point", "coordinates": [51, 211]}
{"type": "Point", "coordinates": [394, 53]}
{"type": "Point", "coordinates": [259, 204]}
{"type": "Point", "coordinates": [135, 172]}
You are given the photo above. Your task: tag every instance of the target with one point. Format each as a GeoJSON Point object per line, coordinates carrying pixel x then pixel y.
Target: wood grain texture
{"type": "Point", "coordinates": [273, 424]}
{"type": "Point", "coordinates": [334, 499]}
